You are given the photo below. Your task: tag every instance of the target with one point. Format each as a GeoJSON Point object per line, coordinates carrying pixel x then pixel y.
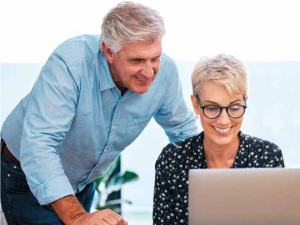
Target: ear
{"type": "Point", "coordinates": [109, 55]}
{"type": "Point", "coordinates": [195, 105]}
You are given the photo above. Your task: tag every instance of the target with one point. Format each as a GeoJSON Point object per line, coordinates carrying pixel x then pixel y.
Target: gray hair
{"type": "Point", "coordinates": [224, 70]}
{"type": "Point", "coordinates": [131, 22]}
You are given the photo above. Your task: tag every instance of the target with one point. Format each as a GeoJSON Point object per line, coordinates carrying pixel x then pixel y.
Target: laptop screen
{"type": "Point", "coordinates": [244, 196]}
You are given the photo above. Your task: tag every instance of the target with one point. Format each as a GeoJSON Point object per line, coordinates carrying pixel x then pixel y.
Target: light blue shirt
{"type": "Point", "coordinates": [74, 122]}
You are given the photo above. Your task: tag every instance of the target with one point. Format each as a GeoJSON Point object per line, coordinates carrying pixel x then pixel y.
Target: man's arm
{"type": "Point", "coordinates": [174, 116]}
{"type": "Point", "coordinates": [50, 112]}
{"type": "Point", "coordinates": [70, 211]}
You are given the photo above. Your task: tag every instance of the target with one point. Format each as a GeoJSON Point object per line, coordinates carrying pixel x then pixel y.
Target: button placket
{"type": "Point", "coordinates": [113, 128]}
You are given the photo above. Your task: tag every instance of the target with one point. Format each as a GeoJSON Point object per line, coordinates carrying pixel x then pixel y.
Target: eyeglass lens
{"type": "Point", "coordinates": [233, 111]}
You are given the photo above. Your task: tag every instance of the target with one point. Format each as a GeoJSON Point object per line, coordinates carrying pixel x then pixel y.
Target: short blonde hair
{"type": "Point", "coordinates": [131, 22]}
{"type": "Point", "coordinates": [224, 70]}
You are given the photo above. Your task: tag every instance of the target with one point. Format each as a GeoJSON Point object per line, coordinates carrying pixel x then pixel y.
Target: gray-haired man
{"type": "Point", "coordinates": [86, 106]}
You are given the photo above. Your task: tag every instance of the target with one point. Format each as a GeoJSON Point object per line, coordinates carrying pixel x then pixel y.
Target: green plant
{"type": "Point", "coordinates": [111, 182]}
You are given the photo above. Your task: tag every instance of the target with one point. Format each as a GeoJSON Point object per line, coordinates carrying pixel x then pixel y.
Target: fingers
{"type": "Point", "coordinates": [103, 222]}
{"type": "Point", "coordinates": [118, 218]}
{"type": "Point", "coordinates": [111, 217]}
{"type": "Point", "coordinates": [113, 221]}
{"type": "Point", "coordinates": [110, 220]}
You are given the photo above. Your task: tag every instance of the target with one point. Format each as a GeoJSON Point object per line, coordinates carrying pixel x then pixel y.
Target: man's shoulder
{"type": "Point", "coordinates": [167, 71]}
{"type": "Point", "coordinates": [80, 48]}
{"type": "Point", "coordinates": [167, 61]}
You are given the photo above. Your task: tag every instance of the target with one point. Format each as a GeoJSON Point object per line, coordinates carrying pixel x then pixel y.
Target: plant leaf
{"type": "Point", "coordinates": [118, 180]}
{"type": "Point", "coordinates": [107, 174]}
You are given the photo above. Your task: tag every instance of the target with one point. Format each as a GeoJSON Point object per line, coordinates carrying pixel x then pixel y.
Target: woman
{"type": "Point", "coordinates": [220, 99]}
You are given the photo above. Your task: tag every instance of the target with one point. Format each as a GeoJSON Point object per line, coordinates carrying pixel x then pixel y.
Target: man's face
{"type": "Point", "coordinates": [135, 66]}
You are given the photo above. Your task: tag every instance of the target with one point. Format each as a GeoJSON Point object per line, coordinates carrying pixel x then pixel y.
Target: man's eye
{"type": "Point", "coordinates": [156, 59]}
{"type": "Point", "coordinates": [136, 60]}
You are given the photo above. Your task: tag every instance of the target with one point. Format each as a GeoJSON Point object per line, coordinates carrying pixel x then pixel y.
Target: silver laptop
{"type": "Point", "coordinates": [244, 196]}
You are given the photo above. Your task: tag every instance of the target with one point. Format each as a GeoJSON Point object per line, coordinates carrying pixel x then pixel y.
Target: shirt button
{"type": "Point", "coordinates": [8, 175]}
{"type": "Point", "coordinates": [113, 127]}
{"type": "Point", "coordinates": [15, 167]}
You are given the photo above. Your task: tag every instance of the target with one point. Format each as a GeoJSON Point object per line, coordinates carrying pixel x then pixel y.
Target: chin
{"type": "Point", "coordinates": [140, 90]}
{"type": "Point", "coordinates": [223, 141]}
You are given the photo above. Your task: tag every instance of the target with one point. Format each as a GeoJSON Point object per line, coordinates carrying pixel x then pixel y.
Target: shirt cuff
{"type": "Point", "coordinates": [53, 190]}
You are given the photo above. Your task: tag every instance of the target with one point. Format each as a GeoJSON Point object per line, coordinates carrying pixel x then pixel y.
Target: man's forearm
{"type": "Point", "coordinates": [68, 209]}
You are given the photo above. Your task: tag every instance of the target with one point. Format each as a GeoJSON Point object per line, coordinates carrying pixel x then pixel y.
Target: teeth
{"type": "Point", "coordinates": [141, 79]}
{"type": "Point", "coordinates": [222, 130]}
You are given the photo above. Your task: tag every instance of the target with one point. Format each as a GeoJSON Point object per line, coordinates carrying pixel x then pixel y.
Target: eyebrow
{"type": "Point", "coordinates": [219, 104]}
{"type": "Point", "coordinates": [156, 57]}
{"type": "Point", "coordinates": [141, 58]}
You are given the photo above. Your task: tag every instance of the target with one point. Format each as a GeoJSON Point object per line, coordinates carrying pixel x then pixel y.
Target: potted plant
{"type": "Point", "coordinates": [111, 183]}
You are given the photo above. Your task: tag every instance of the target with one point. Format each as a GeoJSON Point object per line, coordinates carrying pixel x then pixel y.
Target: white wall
{"type": "Point", "coordinates": [252, 30]}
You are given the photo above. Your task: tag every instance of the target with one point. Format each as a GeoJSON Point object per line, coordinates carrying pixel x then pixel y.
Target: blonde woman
{"type": "Point", "coordinates": [220, 99]}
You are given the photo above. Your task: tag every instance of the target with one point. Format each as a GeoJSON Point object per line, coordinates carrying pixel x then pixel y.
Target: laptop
{"type": "Point", "coordinates": [265, 196]}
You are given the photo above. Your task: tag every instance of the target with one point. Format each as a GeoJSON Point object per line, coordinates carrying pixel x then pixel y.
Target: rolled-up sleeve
{"type": "Point", "coordinates": [51, 110]}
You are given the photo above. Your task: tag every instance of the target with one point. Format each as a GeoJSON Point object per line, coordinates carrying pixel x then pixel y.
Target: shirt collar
{"type": "Point", "coordinates": [106, 80]}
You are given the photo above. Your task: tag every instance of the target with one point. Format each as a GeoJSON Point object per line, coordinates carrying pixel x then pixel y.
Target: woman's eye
{"type": "Point", "coordinates": [212, 108]}
{"type": "Point", "coordinates": [235, 108]}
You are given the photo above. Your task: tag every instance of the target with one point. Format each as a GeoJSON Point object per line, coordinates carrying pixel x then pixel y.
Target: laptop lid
{"type": "Point", "coordinates": [244, 196]}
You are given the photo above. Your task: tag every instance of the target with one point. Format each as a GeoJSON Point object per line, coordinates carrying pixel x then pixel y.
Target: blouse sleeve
{"type": "Point", "coordinates": [163, 194]}
{"type": "Point", "coordinates": [278, 157]}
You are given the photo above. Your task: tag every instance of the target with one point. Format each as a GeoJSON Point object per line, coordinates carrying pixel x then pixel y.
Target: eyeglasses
{"type": "Point", "coordinates": [214, 111]}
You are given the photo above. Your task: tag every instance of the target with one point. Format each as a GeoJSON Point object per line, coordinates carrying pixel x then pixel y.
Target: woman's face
{"type": "Point", "coordinates": [223, 130]}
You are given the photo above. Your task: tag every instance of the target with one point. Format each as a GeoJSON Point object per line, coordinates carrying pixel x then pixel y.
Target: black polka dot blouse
{"type": "Point", "coordinates": [170, 204]}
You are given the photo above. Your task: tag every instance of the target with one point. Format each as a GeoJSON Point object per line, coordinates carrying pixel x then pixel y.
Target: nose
{"type": "Point", "coordinates": [148, 70]}
{"type": "Point", "coordinates": [223, 118]}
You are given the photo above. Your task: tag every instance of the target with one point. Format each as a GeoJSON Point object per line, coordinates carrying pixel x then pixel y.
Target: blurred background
{"type": "Point", "coordinates": [264, 34]}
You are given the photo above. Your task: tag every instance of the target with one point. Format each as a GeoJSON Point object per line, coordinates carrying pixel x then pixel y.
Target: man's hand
{"type": "Point", "coordinates": [102, 217]}
{"type": "Point", "coordinates": [70, 211]}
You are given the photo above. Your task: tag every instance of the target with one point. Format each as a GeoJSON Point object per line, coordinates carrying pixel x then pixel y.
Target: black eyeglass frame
{"type": "Point", "coordinates": [221, 109]}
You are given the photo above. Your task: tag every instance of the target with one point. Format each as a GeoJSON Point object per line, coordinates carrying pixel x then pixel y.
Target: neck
{"type": "Point", "coordinates": [123, 91]}
{"type": "Point", "coordinates": [220, 156]}
{"type": "Point", "coordinates": [116, 79]}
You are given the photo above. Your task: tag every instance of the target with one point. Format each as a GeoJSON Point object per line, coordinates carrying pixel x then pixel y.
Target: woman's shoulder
{"type": "Point", "coordinates": [251, 141]}
{"type": "Point", "coordinates": [264, 153]}
{"type": "Point", "coordinates": [178, 151]}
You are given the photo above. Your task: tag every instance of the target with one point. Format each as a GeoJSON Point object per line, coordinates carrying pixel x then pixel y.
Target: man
{"type": "Point", "coordinates": [86, 106]}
